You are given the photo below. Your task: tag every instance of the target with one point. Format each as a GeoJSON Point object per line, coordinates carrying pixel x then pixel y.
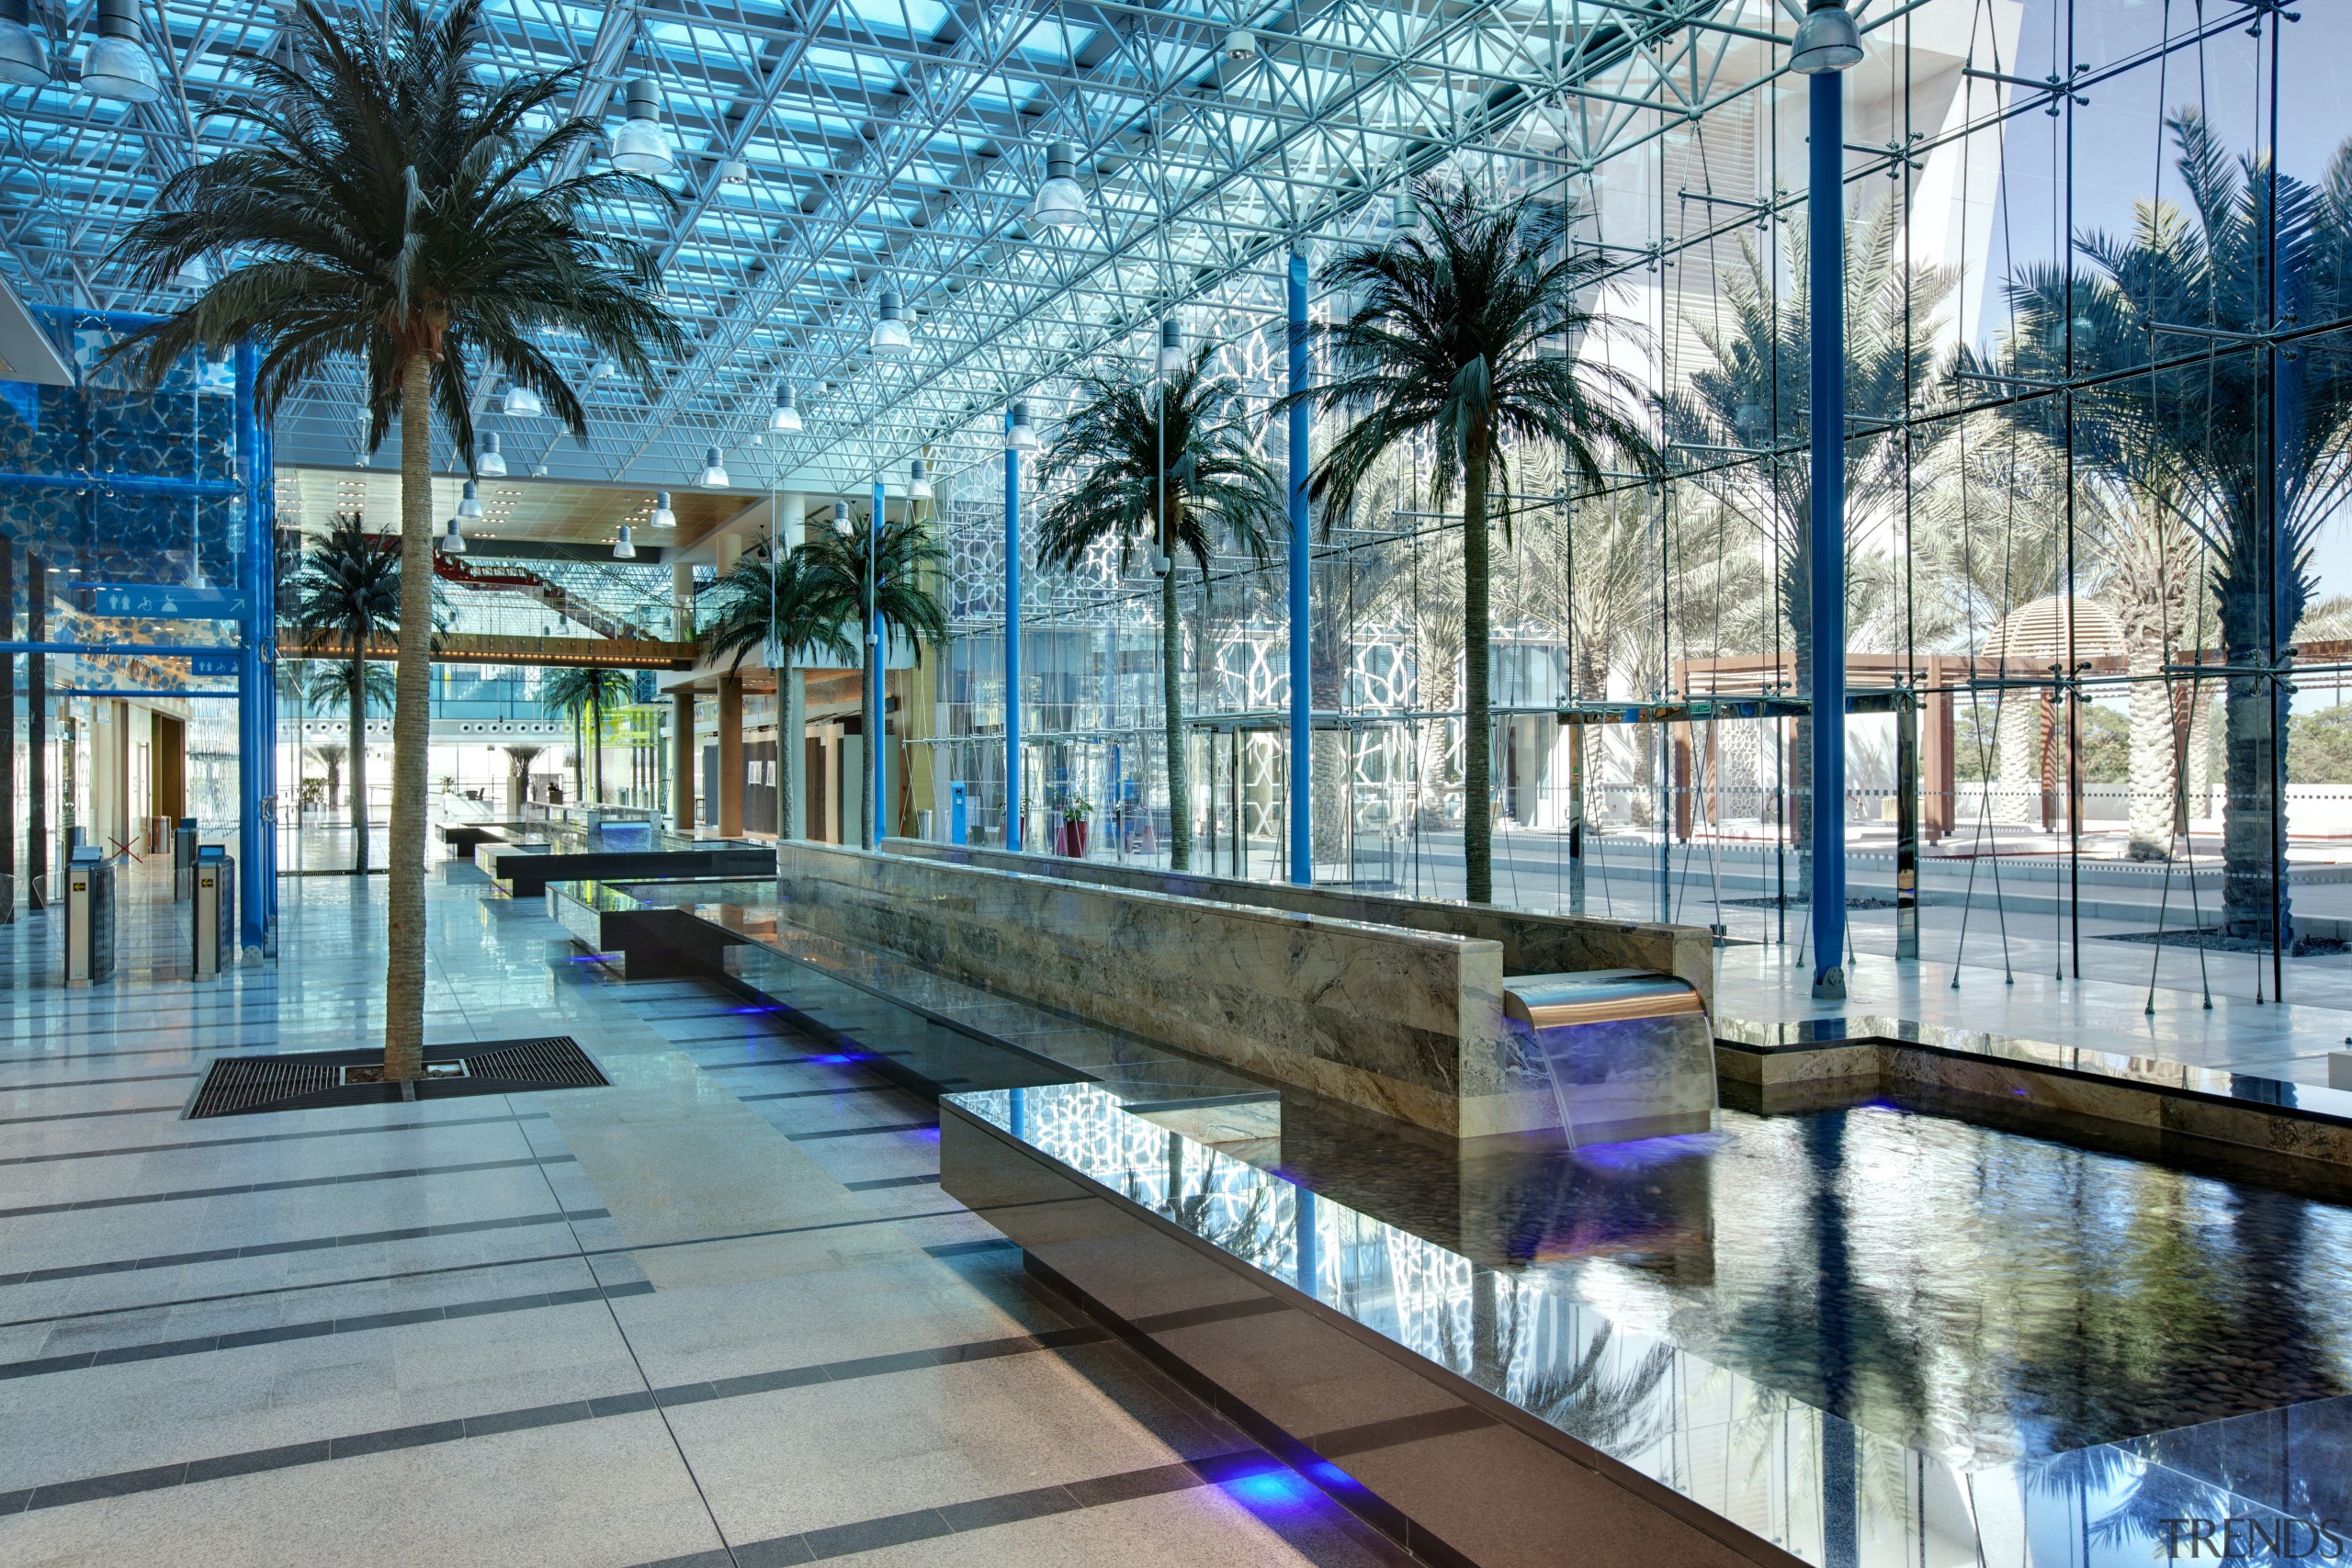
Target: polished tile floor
{"type": "Point", "coordinates": [719, 1312]}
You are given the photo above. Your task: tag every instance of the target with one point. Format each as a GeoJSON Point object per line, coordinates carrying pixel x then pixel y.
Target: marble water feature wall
{"type": "Point", "coordinates": [1416, 1025]}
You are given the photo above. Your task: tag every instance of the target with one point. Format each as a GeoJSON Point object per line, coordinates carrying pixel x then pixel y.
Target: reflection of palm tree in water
{"type": "Point", "coordinates": [1617, 1412]}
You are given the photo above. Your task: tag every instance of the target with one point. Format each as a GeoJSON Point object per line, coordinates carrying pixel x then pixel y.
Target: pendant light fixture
{"type": "Point", "coordinates": [918, 482]}
{"type": "Point", "coordinates": [733, 172]}
{"type": "Point", "coordinates": [786, 419]}
{"type": "Point", "coordinates": [624, 547]}
{"type": "Point", "coordinates": [662, 516]}
{"type": "Point", "coordinates": [1022, 437]}
{"type": "Point", "coordinates": [453, 541]}
{"type": "Point", "coordinates": [841, 524]}
{"type": "Point", "coordinates": [714, 473]}
{"type": "Point", "coordinates": [118, 66]}
{"type": "Point", "coordinates": [491, 463]}
{"type": "Point", "coordinates": [1171, 346]}
{"type": "Point", "coordinates": [1061, 201]}
{"type": "Point", "coordinates": [641, 146]}
{"type": "Point", "coordinates": [519, 401]}
{"type": "Point", "coordinates": [24, 58]}
{"type": "Point", "coordinates": [1403, 212]}
{"type": "Point", "coordinates": [891, 340]}
{"type": "Point", "coordinates": [1826, 40]}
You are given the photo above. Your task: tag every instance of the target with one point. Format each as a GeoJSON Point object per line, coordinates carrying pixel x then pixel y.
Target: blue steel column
{"type": "Point", "coordinates": [1826, 210]}
{"type": "Point", "coordinates": [1302, 680]}
{"type": "Point", "coordinates": [254, 763]}
{"type": "Point", "coordinates": [1012, 637]}
{"type": "Point", "coordinates": [876, 766]}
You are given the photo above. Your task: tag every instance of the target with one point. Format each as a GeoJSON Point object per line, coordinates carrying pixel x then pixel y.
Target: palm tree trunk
{"type": "Point", "coordinates": [2253, 760]}
{"type": "Point", "coordinates": [405, 961]}
{"type": "Point", "coordinates": [2152, 751]}
{"type": "Point", "coordinates": [579, 760]}
{"type": "Point", "coordinates": [359, 757]}
{"type": "Point", "coordinates": [1179, 791]}
{"type": "Point", "coordinates": [596, 741]}
{"type": "Point", "coordinates": [1477, 817]}
{"type": "Point", "coordinates": [789, 739]}
{"type": "Point", "coordinates": [869, 722]}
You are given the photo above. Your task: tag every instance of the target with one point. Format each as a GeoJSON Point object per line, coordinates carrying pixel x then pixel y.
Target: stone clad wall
{"type": "Point", "coordinates": [1406, 1023]}
{"type": "Point", "coordinates": [1531, 944]}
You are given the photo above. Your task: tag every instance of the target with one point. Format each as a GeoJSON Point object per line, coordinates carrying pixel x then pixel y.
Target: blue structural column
{"type": "Point", "coordinates": [877, 769]}
{"type": "Point", "coordinates": [1302, 674]}
{"type": "Point", "coordinates": [1012, 637]}
{"type": "Point", "coordinates": [1825, 208]}
{"type": "Point", "coordinates": [257, 758]}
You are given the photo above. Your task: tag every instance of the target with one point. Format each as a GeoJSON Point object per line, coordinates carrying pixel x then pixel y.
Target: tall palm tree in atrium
{"type": "Point", "coordinates": [2251, 444]}
{"type": "Point", "coordinates": [1167, 465]}
{"type": "Point", "coordinates": [903, 567]}
{"type": "Point", "coordinates": [777, 610]}
{"type": "Point", "coordinates": [1466, 334]}
{"type": "Point", "coordinates": [350, 591]}
{"type": "Point", "coordinates": [582, 695]}
{"type": "Point", "coordinates": [402, 206]}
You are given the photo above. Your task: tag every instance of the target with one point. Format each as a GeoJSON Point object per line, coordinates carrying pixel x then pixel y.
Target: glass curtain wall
{"type": "Point", "coordinates": [2099, 392]}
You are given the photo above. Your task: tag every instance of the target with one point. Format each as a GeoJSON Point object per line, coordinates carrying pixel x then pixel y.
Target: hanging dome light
{"type": "Point", "coordinates": [470, 504]}
{"type": "Point", "coordinates": [918, 482]}
{"type": "Point", "coordinates": [662, 516]}
{"type": "Point", "coordinates": [1826, 40]}
{"type": "Point", "coordinates": [1023, 436]}
{"type": "Point", "coordinates": [118, 66]}
{"type": "Point", "coordinates": [733, 172]}
{"type": "Point", "coordinates": [641, 146]}
{"type": "Point", "coordinates": [1171, 346]}
{"type": "Point", "coordinates": [714, 474]}
{"type": "Point", "coordinates": [841, 524]}
{"type": "Point", "coordinates": [787, 418]}
{"type": "Point", "coordinates": [194, 274]}
{"type": "Point", "coordinates": [520, 402]}
{"type": "Point", "coordinates": [891, 340]}
{"type": "Point", "coordinates": [1240, 44]}
{"type": "Point", "coordinates": [1061, 201]}
{"type": "Point", "coordinates": [453, 541]}
{"type": "Point", "coordinates": [603, 369]}
{"type": "Point", "coordinates": [24, 59]}
{"type": "Point", "coordinates": [624, 547]}
{"type": "Point", "coordinates": [1404, 212]}
{"type": "Point", "coordinates": [491, 463]}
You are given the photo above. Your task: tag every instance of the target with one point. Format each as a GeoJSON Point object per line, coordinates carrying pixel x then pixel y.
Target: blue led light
{"type": "Point", "coordinates": [1272, 1490]}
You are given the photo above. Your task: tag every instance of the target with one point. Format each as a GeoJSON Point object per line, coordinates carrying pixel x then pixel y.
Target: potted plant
{"type": "Point", "coordinates": [313, 796]}
{"type": "Point", "coordinates": [1075, 810]}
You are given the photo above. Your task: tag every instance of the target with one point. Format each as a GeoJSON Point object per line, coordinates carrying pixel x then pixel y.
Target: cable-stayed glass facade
{"type": "Point", "coordinates": [2099, 416]}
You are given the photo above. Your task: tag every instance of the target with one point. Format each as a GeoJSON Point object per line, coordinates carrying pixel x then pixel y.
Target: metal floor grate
{"type": "Point", "coordinates": [236, 1086]}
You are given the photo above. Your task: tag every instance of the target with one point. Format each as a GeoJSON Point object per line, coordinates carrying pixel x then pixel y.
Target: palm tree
{"type": "Point", "coordinates": [1454, 338]}
{"type": "Point", "coordinates": [2254, 444]}
{"type": "Point", "coordinates": [905, 561]}
{"type": "Point", "coordinates": [1756, 398]}
{"type": "Point", "coordinates": [584, 694]}
{"type": "Point", "coordinates": [777, 609]}
{"type": "Point", "coordinates": [350, 589]}
{"type": "Point", "coordinates": [401, 208]}
{"type": "Point", "coordinates": [1168, 464]}
{"type": "Point", "coordinates": [519, 759]}
{"type": "Point", "coordinates": [330, 690]}
{"type": "Point", "coordinates": [330, 757]}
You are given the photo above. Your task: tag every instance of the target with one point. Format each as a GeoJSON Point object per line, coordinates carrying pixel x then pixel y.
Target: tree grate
{"type": "Point", "coordinates": [237, 1085]}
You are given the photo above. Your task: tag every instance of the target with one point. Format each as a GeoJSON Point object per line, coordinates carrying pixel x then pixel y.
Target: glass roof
{"type": "Point", "coordinates": [898, 143]}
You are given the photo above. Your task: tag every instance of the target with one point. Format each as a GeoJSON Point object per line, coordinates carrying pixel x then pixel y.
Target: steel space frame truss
{"type": "Point", "coordinates": [897, 143]}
